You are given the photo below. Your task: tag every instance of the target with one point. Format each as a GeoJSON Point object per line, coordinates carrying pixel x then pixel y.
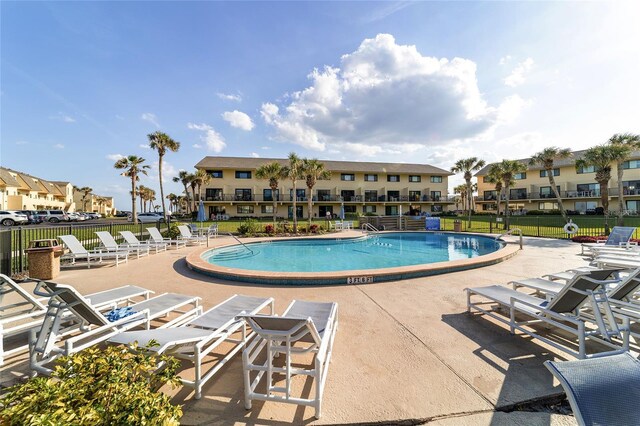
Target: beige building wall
{"type": "Point", "coordinates": [579, 191]}
{"type": "Point", "coordinates": [425, 191]}
{"type": "Point", "coordinates": [92, 203]}
{"type": "Point", "coordinates": [25, 192]}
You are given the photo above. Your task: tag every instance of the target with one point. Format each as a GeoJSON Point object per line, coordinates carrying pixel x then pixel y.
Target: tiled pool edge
{"type": "Point", "coordinates": [196, 263]}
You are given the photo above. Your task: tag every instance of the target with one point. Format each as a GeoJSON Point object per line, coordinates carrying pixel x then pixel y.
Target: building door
{"type": "Point", "coordinates": [298, 212]}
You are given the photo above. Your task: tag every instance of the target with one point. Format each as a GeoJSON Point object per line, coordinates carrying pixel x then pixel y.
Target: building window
{"type": "Point", "coordinates": [588, 190]}
{"type": "Point", "coordinates": [631, 187]}
{"type": "Point", "coordinates": [268, 195]}
{"type": "Point", "coordinates": [216, 174]}
{"type": "Point", "coordinates": [348, 195]}
{"type": "Point", "coordinates": [435, 195]}
{"type": "Point", "coordinates": [436, 179]}
{"type": "Point", "coordinates": [487, 206]}
{"type": "Point", "coordinates": [348, 176]}
{"type": "Point", "coordinates": [350, 208]}
{"type": "Point", "coordinates": [370, 196]}
{"type": "Point", "coordinates": [213, 194]}
{"type": "Point", "coordinates": [393, 195]}
{"type": "Point", "coordinates": [585, 206]}
{"type": "Point", "coordinates": [588, 169]}
{"type": "Point", "coordinates": [300, 195]}
{"type": "Point", "coordinates": [547, 192]}
{"type": "Point", "coordinates": [368, 209]}
{"type": "Point", "coordinates": [393, 178]}
{"type": "Point", "coordinates": [548, 205]}
{"type": "Point", "coordinates": [556, 172]}
{"type": "Point", "coordinates": [245, 209]}
{"type": "Point", "coordinates": [631, 164]}
{"type": "Point", "coordinates": [370, 178]}
{"type": "Point", "coordinates": [490, 195]}
{"type": "Point", "coordinates": [243, 174]}
{"type": "Point", "coordinates": [520, 176]}
{"type": "Point", "coordinates": [436, 208]}
{"type": "Point", "coordinates": [266, 209]}
{"type": "Point", "coordinates": [486, 179]}
{"type": "Point", "coordinates": [414, 195]}
{"type": "Point", "coordinates": [418, 178]}
{"type": "Point", "coordinates": [324, 195]}
{"type": "Point", "coordinates": [243, 195]}
{"type": "Point", "coordinates": [391, 210]}
{"type": "Point", "coordinates": [323, 210]}
{"type": "Point", "coordinates": [518, 194]}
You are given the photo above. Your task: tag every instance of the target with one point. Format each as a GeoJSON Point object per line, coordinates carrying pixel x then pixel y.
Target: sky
{"type": "Point", "coordinates": [84, 83]}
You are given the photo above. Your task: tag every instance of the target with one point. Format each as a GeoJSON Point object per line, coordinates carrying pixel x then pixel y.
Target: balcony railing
{"type": "Point", "coordinates": [327, 198]}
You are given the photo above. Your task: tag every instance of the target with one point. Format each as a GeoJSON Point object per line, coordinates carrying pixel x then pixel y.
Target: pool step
{"type": "Point", "coordinates": [232, 254]}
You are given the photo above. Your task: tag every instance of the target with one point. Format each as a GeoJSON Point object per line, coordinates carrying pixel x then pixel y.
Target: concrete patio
{"type": "Point", "coordinates": [405, 351]}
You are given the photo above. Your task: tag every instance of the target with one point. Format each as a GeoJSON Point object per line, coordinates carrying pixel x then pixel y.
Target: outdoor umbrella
{"type": "Point", "coordinates": [341, 211]}
{"type": "Point", "coordinates": [201, 217]}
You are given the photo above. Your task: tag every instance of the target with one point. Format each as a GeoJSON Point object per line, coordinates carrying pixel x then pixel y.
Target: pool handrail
{"type": "Point", "coordinates": [510, 232]}
{"type": "Point", "coordinates": [243, 244]}
{"type": "Point", "coordinates": [367, 226]}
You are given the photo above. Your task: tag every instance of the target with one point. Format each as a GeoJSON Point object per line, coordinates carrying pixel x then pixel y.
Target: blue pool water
{"type": "Point", "coordinates": [373, 252]}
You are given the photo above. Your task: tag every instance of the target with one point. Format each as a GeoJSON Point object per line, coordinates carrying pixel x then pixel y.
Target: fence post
{"type": "Point", "coordinates": [111, 228]}
{"type": "Point", "coordinates": [20, 251]}
{"type": "Point", "coordinates": [491, 224]}
{"type": "Point", "coordinates": [6, 263]}
{"type": "Point", "coordinates": [538, 222]}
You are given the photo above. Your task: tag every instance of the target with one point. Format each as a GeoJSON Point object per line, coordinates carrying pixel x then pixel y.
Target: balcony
{"type": "Point", "coordinates": [222, 198]}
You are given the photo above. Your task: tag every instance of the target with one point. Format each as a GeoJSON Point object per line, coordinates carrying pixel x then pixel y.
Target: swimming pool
{"type": "Point", "coordinates": [378, 257]}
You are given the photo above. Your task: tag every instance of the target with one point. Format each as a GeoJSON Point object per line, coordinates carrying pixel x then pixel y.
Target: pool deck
{"type": "Point", "coordinates": [405, 351]}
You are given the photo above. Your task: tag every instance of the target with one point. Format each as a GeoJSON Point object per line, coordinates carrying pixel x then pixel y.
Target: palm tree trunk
{"type": "Point", "coordinates": [164, 211]}
{"type": "Point", "coordinates": [470, 201]}
{"type": "Point", "coordinates": [506, 211]}
{"type": "Point", "coordinates": [621, 206]}
{"type": "Point", "coordinates": [604, 198]}
{"type": "Point", "coordinates": [309, 207]}
{"type": "Point", "coordinates": [186, 193]}
{"type": "Point", "coordinates": [552, 182]}
{"type": "Point", "coordinates": [134, 214]}
{"type": "Point", "coordinates": [274, 197]}
{"type": "Point", "coordinates": [295, 216]}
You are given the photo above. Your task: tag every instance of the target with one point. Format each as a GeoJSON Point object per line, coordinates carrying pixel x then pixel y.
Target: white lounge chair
{"type": "Point", "coordinates": [601, 391]}
{"type": "Point", "coordinates": [554, 286]}
{"type": "Point", "coordinates": [305, 327]}
{"type": "Point", "coordinates": [157, 237]}
{"type": "Point", "coordinates": [94, 327]}
{"type": "Point", "coordinates": [78, 252]}
{"type": "Point", "coordinates": [109, 244]}
{"type": "Point", "coordinates": [133, 241]}
{"type": "Point", "coordinates": [611, 261]}
{"type": "Point", "coordinates": [559, 312]}
{"type": "Point", "coordinates": [197, 338]}
{"type": "Point", "coordinates": [213, 231]}
{"type": "Point", "coordinates": [186, 235]}
{"type": "Point", "coordinates": [620, 236]}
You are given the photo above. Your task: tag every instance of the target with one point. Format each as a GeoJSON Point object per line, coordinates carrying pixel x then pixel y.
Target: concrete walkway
{"type": "Point", "coordinates": [404, 351]}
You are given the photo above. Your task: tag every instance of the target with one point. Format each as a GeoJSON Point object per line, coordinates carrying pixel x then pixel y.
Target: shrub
{"type": "Point", "coordinates": [314, 228]}
{"type": "Point", "coordinates": [249, 227]}
{"type": "Point", "coordinates": [173, 232]}
{"type": "Point", "coordinates": [110, 386]}
{"type": "Point", "coordinates": [269, 230]}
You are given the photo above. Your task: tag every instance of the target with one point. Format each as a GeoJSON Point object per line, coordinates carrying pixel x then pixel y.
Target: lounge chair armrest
{"type": "Point", "coordinates": [541, 310]}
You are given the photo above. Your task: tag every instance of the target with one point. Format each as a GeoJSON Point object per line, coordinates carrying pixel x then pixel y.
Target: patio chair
{"type": "Point", "coordinates": [620, 236]}
{"type": "Point", "coordinates": [305, 327]}
{"type": "Point", "coordinates": [338, 226]}
{"type": "Point", "coordinates": [186, 235]}
{"type": "Point", "coordinates": [94, 327]}
{"type": "Point", "coordinates": [133, 241]}
{"type": "Point", "coordinates": [569, 274]}
{"type": "Point", "coordinates": [601, 391]}
{"type": "Point", "coordinates": [157, 237]}
{"type": "Point", "coordinates": [78, 252]}
{"type": "Point", "coordinates": [213, 230]}
{"type": "Point", "coordinates": [197, 338]}
{"type": "Point", "coordinates": [611, 261]}
{"type": "Point", "coordinates": [561, 312]}
{"type": "Point", "coordinates": [109, 244]}
{"type": "Point", "coordinates": [553, 286]}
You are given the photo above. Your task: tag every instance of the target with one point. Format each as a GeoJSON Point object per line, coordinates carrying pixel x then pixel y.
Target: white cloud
{"type": "Point", "coordinates": [214, 140]}
{"type": "Point", "coordinates": [196, 146]}
{"type": "Point", "coordinates": [505, 59]}
{"type": "Point", "coordinates": [230, 97]}
{"type": "Point", "coordinates": [511, 107]}
{"type": "Point", "coordinates": [144, 146]}
{"type": "Point", "coordinates": [238, 119]}
{"type": "Point", "coordinates": [114, 157]}
{"type": "Point", "coordinates": [517, 76]}
{"type": "Point", "coordinates": [151, 118]}
{"type": "Point", "coordinates": [385, 98]}
{"type": "Point", "coordinates": [22, 143]}
{"type": "Point", "coordinates": [58, 146]}
{"type": "Point", "coordinates": [63, 117]}
{"type": "Point", "coordinates": [255, 155]}
{"type": "Point", "coordinates": [265, 147]}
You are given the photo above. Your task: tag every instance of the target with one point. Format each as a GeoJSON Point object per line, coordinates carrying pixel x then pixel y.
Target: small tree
{"type": "Point", "coordinates": [627, 143]}
{"type": "Point", "coordinates": [313, 171]}
{"type": "Point", "coordinates": [293, 172]}
{"type": "Point", "coordinates": [467, 166]}
{"type": "Point", "coordinates": [546, 159]}
{"type": "Point", "coordinates": [133, 167]}
{"type": "Point", "coordinates": [509, 168]}
{"type": "Point", "coordinates": [273, 172]}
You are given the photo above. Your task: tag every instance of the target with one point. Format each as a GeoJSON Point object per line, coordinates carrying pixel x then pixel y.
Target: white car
{"type": "Point", "coordinates": [12, 217]}
{"type": "Point", "coordinates": [147, 218]}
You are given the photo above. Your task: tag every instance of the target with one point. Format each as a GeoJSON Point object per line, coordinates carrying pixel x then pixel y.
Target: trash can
{"type": "Point", "coordinates": [457, 226]}
{"type": "Point", "coordinates": [44, 259]}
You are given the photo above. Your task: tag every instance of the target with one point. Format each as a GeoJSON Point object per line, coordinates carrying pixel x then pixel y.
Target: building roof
{"type": "Point", "coordinates": [211, 162]}
{"type": "Point", "coordinates": [7, 178]}
{"type": "Point", "coordinates": [557, 163]}
{"type": "Point", "coordinates": [28, 182]}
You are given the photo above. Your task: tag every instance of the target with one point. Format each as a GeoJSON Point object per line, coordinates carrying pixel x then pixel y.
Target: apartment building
{"type": "Point", "coordinates": [21, 191]}
{"type": "Point", "coordinates": [94, 203]}
{"type": "Point", "coordinates": [361, 187]}
{"type": "Point", "coordinates": [578, 188]}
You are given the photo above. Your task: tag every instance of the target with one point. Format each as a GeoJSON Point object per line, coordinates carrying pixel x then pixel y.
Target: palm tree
{"type": "Point", "coordinates": [142, 193]}
{"type": "Point", "coordinates": [100, 201]}
{"type": "Point", "coordinates": [628, 142]}
{"type": "Point", "coordinates": [494, 177]}
{"type": "Point", "coordinates": [183, 177]}
{"type": "Point", "coordinates": [313, 171]}
{"type": "Point", "coordinates": [133, 167]}
{"type": "Point", "coordinates": [200, 177]}
{"type": "Point", "coordinates": [161, 142]}
{"type": "Point", "coordinates": [462, 191]}
{"type": "Point", "coordinates": [546, 159]}
{"type": "Point", "coordinates": [85, 190]}
{"type": "Point", "coordinates": [508, 169]}
{"type": "Point", "coordinates": [467, 166]}
{"type": "Point", "coordinates": [601, 157]}
{"type": "Point", "coordinates": [293, 172]}
{"type": "Point", "coordinates": [272, 172]}
{"type": "Point", "coordinates": [193, 182]}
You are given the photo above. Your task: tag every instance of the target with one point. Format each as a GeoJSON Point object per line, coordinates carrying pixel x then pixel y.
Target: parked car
{"type": "Point", "coordinates": [32, 215]}
{"type": "Point", "coordinates": [147, 218]}
{"type": "Point", "coordinates": [54, 216]}
{"type": "Point", "coordinates": [73, 217]}
{"type": "Point", "coordinates": [122, 213]}
{"type": "Point", "coordinates": [94, 215]}
{"type": "Point", "coordinates": [12, 217]}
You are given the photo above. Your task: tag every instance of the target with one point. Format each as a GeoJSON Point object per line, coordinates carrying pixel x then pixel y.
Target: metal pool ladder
{"type": "Point", "coordinates": [243, 244]}
{"type": "Point", "coordinates": [367, 227]}
{"type": "Point", "coordinates": [510, 232]}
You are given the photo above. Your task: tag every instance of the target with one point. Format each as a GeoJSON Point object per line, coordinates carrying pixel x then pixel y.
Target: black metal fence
{"type": "Point", "coordinates": [14, 240]}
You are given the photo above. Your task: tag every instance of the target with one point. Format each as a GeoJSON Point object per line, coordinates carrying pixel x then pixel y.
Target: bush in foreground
{"type": "Point", "coordinates": [96, 387]}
